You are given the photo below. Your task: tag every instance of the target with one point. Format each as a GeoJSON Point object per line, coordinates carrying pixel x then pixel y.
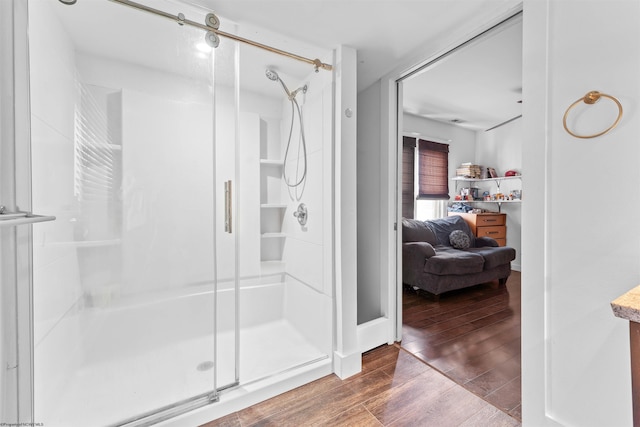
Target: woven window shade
{"type": "Point", "coordinates": [408, 161]}
{"type": "Point", "coordinates": [433, 170]}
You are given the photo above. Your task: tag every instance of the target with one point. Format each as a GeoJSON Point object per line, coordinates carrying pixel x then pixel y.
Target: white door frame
{"type": "Point", "coordinates": [392, 130]}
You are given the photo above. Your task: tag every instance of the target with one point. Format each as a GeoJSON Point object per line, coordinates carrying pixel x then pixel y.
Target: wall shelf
{"type": "Point", "coordinates": [497, 181]}
{"type": "Point", "coordinates": [273, 206]}
{"type": "Point", "coordinates": [500, 178]}
{"type": "Point", "coordinates": [488, 201]}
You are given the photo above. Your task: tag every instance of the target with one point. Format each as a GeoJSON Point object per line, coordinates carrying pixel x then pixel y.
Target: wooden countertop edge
{"type": "Point", "coordinates": [627, 306]}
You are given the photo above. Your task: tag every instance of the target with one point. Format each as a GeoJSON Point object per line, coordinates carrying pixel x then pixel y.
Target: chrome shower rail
{"type": "Point", "coordinates": [211, 27]}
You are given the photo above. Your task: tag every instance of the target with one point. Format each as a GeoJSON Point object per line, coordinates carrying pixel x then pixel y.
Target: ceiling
{"type": "Point", "coordinates": [475, 85]}
{"type": "Point", "coordinates": [478, 87]}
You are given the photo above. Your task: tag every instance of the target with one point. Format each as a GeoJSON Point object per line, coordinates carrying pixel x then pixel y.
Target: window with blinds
{"type": "Point", "coordinates": [433, 170]}
{"type": "Point", "coordinates": [408, 176]}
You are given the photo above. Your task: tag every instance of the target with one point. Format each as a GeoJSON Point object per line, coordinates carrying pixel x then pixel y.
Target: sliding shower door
{"type": "Point", "coordinates": [133, 150]}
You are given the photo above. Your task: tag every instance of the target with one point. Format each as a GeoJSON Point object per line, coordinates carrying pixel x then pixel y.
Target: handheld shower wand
{"type": "Point", "coordinates": [272, 75]}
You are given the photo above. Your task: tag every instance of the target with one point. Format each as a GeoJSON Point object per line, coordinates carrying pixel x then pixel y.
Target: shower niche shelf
{"type": "Point", "coordinates": [273, 235]}
{"type": "Point", "coordinates": [270, 162]}
{"type": "Point", "coordinates": [272, 239]}
{"type": "Point", "coordinates": [272, 267]}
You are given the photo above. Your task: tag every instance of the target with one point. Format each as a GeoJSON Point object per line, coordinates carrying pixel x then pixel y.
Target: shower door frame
{"type": "Point", "coordinates": [15, 193]}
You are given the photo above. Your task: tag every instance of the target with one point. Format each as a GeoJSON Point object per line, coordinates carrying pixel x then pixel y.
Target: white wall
{"type": "Point", "coordinates": [369, 207]}
{"type": "Point", "coordinates": [501, 149]}
{"type": "Point", "coordinates": [580, 249]}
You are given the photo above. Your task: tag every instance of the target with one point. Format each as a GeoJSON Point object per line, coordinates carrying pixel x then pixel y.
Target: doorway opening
{"type": "Point", "coordinates": [469, 99]}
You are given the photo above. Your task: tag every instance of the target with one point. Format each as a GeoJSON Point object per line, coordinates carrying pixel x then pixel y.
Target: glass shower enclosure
{"type": "Point", "coordinates": [133, 148]}
{"type": "Point", "coordinates": [177, 274]}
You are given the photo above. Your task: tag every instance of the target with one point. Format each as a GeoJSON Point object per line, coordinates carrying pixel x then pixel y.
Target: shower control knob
{"type": "Point", "coordinates": [301, 214]}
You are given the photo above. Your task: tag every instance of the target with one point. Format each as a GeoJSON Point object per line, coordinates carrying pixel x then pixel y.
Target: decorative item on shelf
{"type": "Point", "coordinates": [491, 172]}
{"type": "Point", "coordinates": [512, 172]}
{"type": "Point", "coordinates": [469, 170]}
{"type": "Point", "coordinates": [469, 193]}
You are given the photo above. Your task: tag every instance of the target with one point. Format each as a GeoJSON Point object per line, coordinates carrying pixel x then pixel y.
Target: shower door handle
{"type": "Point", "coordinates": [227, 207]}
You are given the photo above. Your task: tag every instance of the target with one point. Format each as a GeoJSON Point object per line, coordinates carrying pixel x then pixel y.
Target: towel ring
{"type": "Point", "coordinates": [591, 98]}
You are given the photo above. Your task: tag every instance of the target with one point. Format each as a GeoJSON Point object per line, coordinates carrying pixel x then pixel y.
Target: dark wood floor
{"type": "Point", "coordinates": [457, 365]}
{"type": "Point", "coordinates": [473, 337]}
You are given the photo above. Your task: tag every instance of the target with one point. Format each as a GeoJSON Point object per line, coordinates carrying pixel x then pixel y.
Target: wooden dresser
{"type": "Point", "coordinates": [489, 224]}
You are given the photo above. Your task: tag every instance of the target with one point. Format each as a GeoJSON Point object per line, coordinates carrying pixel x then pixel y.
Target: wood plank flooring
{"type": "Point", "coordinates": [457, 365]}
{"type": "Point", "coordinates": [473, 337]}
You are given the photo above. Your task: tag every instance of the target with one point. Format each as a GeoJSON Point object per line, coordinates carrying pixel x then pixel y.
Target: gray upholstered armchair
{"type": "Point", "coordinates": [443, 254]}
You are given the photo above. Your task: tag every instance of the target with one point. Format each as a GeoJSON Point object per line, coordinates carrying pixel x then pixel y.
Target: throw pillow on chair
{"type": "Point", "coordinates": [459, 239]}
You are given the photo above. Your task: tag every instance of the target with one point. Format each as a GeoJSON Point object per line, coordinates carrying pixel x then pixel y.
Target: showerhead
{"type": "Point", "coordinates": [68, 2]}
{"type": "Point", "coordinates": [272, 75]}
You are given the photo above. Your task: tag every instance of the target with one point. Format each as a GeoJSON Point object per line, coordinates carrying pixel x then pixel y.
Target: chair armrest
{"type": "Point", "coordinates": [423, 248]}
{"type": "Point", "coordinates": [485, 241]}
{"type": "Point", "coordinates": [414, 256]}
{"type": "Point", "coordinates": [417, 251]}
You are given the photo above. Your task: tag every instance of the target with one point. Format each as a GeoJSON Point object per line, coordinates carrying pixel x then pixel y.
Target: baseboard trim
{"type": "Point", "coordinates": [347, 365]}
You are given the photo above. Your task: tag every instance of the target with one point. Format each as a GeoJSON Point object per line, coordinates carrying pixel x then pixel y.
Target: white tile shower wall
{"type": "Point", "coordinates": [115, 74]}
{"type": "Point", "coordinates": [304, 250]}
{"type": "Point", "coordinates": [179, 89]}
{"type": "Point", "coordinates": [312, 232]}
{"type": "Point", "coordinates": [167, 231]}
{"type": "Point", "coordinates": [309, 312]}
{"type": "Point", "coordinates": [183, 90]}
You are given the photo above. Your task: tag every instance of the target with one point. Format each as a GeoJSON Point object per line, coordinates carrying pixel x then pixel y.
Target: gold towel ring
{"type": "Point", "coordinates": [591, 98]}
